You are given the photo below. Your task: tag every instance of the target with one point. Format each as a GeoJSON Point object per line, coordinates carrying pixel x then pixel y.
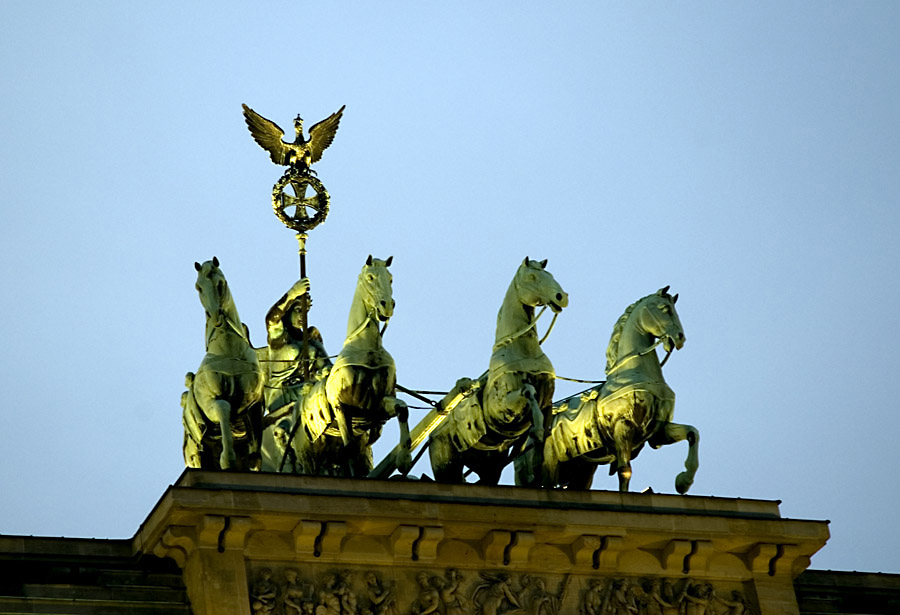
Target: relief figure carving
{"type": "Point", "coordinates": [737, 605]}
{"type": "Point", "coordinates": [622, 599]}
{"type": "Point", "coordinates": [495, 596]}
{"type": "Point", "coordinates": [348, 598]}
{"type": "Point", "coordinates": [382, 598]}
{"type": "Point", "coordinates": [264, 593]}
{"type": "Point", "coordinates": [596, 597]}
{"type": "Point", "coordinates": [698, 598]}
{"type": "Point", "coordinates": [655, 603]}
{"type": "Point", "coordinates": [537, 600]}
{"type": "Point", "coordinates": [296, 595]}
{"type": "Point", "coordinates": [429, 599]}
{"type": "Point", "coordinates": [452, 595]}
{"type": "Point", "coordinates": [329, 596]}
{"type": "Point", "coordinates": [287, 591]}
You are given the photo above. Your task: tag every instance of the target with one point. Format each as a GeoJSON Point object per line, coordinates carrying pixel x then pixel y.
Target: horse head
{"type": "Point", "coordinates": [374, 287]}
{"type": "Point", "coordinates": [536, 286]}
{"type": "Point", "coordinates": [659, 318]}
{"type": "Point", "coordinates": [212, 287]}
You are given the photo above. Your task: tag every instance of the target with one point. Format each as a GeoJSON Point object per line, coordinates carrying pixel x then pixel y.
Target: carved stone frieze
{"type": "Point", "coordinates": [289, 590]}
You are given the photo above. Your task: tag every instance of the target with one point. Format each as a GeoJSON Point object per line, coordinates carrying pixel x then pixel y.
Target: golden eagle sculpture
{"type": "Point", "coordinates": [300, 154]}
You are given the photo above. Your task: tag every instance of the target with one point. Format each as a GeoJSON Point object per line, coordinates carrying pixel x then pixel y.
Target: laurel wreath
{"type": "Point", "coordinates": [299, 180]}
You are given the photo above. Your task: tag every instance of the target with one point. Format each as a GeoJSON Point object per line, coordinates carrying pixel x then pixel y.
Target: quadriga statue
{"type": "Point", "coordinates": [342, 414]}
{"type": "Point", "coordinates": [611, 423]}
{"type": "Point", "coordinates": [513, 398]}
{"type": "Point", "coordinates": [222, 406]}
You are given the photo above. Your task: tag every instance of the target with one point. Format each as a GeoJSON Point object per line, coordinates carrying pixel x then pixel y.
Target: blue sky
{"type": "Point", "coordinates": [744, 153]}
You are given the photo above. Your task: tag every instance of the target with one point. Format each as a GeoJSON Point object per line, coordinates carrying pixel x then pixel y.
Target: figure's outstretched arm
{"type": "Point", "coordinates": [275, 316]}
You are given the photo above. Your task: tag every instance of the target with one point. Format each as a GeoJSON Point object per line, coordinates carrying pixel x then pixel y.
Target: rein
{"type": "Point", "coordinates": [635, 355]}
{"type": "Point", "coordinates": [370, 317]}
{"type": "Point", "coordinates": [360, 328]}
{"type": "Point", "coordinates": [227, 321]}
{"type": "Point", "coordinates": [579, 380]}
{"type": "Point", "coordinates": [647, 351]}
{"type": "Point", "coordinates": [365, 323]}
{"type": "Point", "coordinates": [506, 341]}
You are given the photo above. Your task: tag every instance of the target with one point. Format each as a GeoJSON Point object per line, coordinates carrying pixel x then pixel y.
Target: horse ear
{"type": "Point", "coordinates": [526, 261]}
{"type": "Point", "coordinates": [675, 299]}
{"type": "Point", "coordinates": [662, 291]}
{"type": "Point", "coordinates": [197, 266]}
{"type": "Point", "coordinates": [387, 263]}
{"type": "Point", "coordinates": [215, 262]}
{"type": "Point", "coordinates": [544, 264]}
{"type": "Point", "coordinates": [369, 261]}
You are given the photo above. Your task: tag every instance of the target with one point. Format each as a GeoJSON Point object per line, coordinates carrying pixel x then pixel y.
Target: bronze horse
{"type": "Point", "coordinates": [610, 424]}
{"type": "Point", "coordinates": [222, 409]}
{"type": "Point", "coordinates": [490, 428]}
{"type": "Point", "coordinates": [343, 415]}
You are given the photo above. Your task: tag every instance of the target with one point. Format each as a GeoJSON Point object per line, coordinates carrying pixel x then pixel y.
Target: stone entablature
{"type": "Point", "coordinates": [226, 529]}
{"type": "Point", "coordinates": [78, 576]}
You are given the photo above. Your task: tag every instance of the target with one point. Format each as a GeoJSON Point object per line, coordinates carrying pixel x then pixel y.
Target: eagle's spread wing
{"type": "Point", "coordinates": [322, 134]}
{"type": "Point", "coordinates": [267, 134]}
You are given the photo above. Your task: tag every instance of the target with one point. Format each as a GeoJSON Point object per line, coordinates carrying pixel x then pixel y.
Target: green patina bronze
{"type": "Point", "coordinates": [610, 424]}
{"type": "Point", "coordinates": [283, 360]}
{"type": "Point", "coordinates": [287, 408]}
{"type": "Point", "coordinates": [512, 400]}
{"type": "Point", "coordinates": [336, 417]}
{"type": "Point", "coordinates": [222, 409]}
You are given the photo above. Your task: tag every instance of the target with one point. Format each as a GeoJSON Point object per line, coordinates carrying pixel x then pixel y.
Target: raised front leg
{"type": "Point", "coordinates": [685, 479]}
{"type": "Point", "coordinates": [676, 432]}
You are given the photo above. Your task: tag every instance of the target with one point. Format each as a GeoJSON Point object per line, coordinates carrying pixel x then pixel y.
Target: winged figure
{"type": "Point", "coordinates": [300, 154]}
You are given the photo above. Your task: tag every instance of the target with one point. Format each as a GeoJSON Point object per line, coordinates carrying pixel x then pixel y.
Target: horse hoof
{"type": "Point", "coordinates": [404, 462]}
{"type": "Point", "coordinates": [683, 482]}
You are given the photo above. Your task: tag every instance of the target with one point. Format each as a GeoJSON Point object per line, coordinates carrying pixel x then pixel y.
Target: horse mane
{"type": "Point", "coordinates": [612, 351]}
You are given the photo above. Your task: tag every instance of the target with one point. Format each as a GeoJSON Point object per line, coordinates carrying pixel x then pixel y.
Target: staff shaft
{"type": "Point", "coordinates": [304, 308]}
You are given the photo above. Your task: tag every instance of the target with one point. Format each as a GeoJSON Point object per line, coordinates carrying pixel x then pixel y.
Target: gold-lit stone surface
{"type": "Point", "coordinates": [248, 542]}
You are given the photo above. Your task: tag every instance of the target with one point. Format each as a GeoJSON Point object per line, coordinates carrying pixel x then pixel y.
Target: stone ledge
{"type": "Point", "coordinates": [289, 518]}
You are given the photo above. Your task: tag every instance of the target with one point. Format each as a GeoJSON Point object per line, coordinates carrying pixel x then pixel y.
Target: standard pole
{"type": "Point", "coordinates": [304, 307]}
{"type": "Point", "coordinates": [304, 355]}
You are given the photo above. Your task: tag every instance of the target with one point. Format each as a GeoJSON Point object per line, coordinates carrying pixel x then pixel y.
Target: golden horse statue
{"type": "Point", "coordinates": [513, 399]}
{"type": "Point", "coordinates": [222, 406]}
{"type": "Point", "coordinates": [342, 415]}
{"type": "Point", "coordinates": [610, 423]}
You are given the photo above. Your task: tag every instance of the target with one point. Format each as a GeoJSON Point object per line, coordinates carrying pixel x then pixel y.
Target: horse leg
{"type": "Point", "coordinates": [676, 432]}
{"type": "Point", "coordinates": [529, 465]}
{"type": "Point", "coordinates": [575, 474]}
{"type": "Point", "coordinates": [221, 414]}
{"type": "Point", "coordinates": [524, 465]}
{"type": "Point", "coordinates": [397, 407]}
{"type": "Point", "coordinates": [550, 465]}
{"type": "Point", "coordinates": [446, 463]}
{"type": "Point", "coordinates": [361, 457]}
{"type": "Point", "coordinates": [253, 420]}
{"type": "Point", "coordinates": [304, 452]}
{"type": "Point", "coordinates": [623, 436]}
{"type": "Point", "coordinates": [489, 467]}
{"type": "Point", "coordinates": [582, 474]}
